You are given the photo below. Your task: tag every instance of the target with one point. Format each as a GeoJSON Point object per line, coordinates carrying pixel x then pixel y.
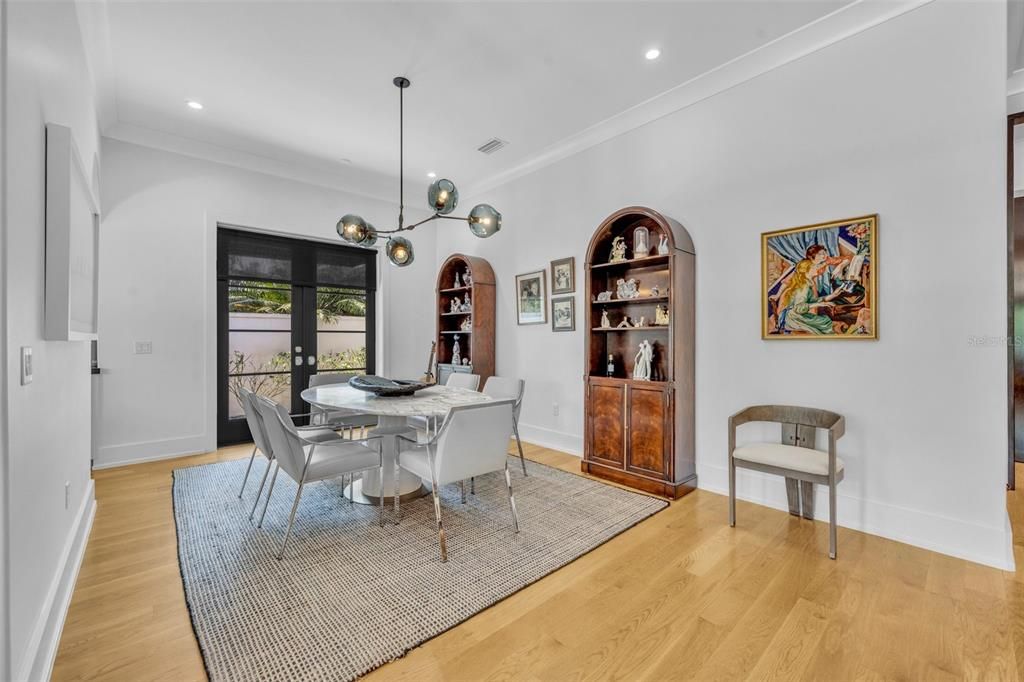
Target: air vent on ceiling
{"type": "Point", "coordinates": [492, 145]}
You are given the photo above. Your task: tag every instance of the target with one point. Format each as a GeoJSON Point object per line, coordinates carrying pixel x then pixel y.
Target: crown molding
{"type": "Point", "coordinates": [830, 29]}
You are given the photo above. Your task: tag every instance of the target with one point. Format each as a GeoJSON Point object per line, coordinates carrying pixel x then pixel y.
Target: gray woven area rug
{"type": "Point", "coordinates": [350, 596]}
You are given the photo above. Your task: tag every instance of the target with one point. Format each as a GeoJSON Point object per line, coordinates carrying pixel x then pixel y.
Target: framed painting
{"type": "Point", "coordinates": [531, 298]}
{"type": "Point", "coordinates": [820, 281]}
{"type": "Point", "coordinates": [563, 314]}
{"type": "Point", "coordinates": [563, 276]}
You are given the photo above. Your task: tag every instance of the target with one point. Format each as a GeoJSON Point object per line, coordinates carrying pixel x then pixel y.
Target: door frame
{"type": "Point", "coordinates": [213, 298]}
{"type": "Point", "coordinates": [1012, 121]}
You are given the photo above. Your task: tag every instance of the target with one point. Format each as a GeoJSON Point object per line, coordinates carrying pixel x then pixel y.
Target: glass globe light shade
{"type": "Point", "coordinates": [352, 228]}
{"type": "Point", "coordinates": [371, 235]}
{"type": "Point", "coordinates": [484, 220]}
{"type": "Point", "coordinates": [442, 196]}
{"type": "Point", "coordinates": [399, 251]}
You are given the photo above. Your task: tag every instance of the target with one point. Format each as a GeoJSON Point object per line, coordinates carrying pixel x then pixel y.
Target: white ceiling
{"type": "Point", "coordinates": [309, 83]}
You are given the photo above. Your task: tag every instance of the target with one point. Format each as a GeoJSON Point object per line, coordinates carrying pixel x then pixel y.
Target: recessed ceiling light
{"type": "Point", "coordinates": [192, 104]}
{"type": "Point", "coordinates": [431, 174]}
{"type": "Point", "coordinates": [652, 54]}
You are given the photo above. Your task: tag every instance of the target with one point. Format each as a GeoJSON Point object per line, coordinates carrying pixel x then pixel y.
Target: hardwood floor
{"type": "Point", "coordinates": [679, 596]}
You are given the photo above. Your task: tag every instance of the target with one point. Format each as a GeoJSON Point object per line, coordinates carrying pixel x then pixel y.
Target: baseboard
{"type": "Point", "coordinates": [109, 456]}
{"type": "Point", "coordinates": [42, 647]}
{"type": "Point", "coordinates": [549, 438]}
{"type": "Point", "coordinates": [987, 545]}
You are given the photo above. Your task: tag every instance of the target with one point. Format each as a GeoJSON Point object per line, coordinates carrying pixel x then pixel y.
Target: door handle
{"type": "Point", "coordinates": [311, 360]}
{"type": "Point", "coordinates": [298, 360]}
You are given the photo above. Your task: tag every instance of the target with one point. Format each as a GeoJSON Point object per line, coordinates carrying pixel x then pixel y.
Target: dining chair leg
{"type": "Point", "coordinates": [519, 444]}
{"type": "Point", "coordinates": [263, 482]}
{"type": "Point", "coordinates": [394, 491]}
{"type": "Point", "coordinates": [472, 485]}
{"type": "Point", "coordinates": [291, 520]}
{"type": "Point", "coordinates": [732, 491]}
{"type": "Point", "coordinates": [380, 516]}
{"type": "Point", "coordinates": [440, 526]}
{"type": "Point", "coordinates": [511, 499]}
{"type": "Point", "coordinates": [270, 491]}
{"type": "Point", "coordinates": [462, 490]}
{"type": "Point", "coordinates": [351, 488]}
{"type": "Point", "coordinates": [832, 521]}
{"type": "Point", "coordinates": [247, 470]}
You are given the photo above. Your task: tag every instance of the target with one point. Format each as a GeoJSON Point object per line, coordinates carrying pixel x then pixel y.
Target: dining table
{"type": "Point", "coordinates": [392, 414]}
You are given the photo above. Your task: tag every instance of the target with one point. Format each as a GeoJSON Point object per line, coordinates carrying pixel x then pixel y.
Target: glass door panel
{"type": "Point", "coordinates": [341, 330]}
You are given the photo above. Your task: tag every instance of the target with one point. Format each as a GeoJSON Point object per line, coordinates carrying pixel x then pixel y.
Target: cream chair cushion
{"type": "Point", "coordinates": [787, 457]}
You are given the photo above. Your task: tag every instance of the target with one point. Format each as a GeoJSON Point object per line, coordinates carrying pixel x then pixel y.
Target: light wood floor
{"type": "Point", "coordinates": [681, 595]}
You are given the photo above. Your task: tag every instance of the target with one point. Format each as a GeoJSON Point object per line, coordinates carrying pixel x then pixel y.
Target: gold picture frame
{"type": "Point", "coordinates": [820, 281]}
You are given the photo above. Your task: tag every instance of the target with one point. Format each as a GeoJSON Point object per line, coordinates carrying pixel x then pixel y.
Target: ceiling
{"type": "Point", "coordinates": [308, 84]}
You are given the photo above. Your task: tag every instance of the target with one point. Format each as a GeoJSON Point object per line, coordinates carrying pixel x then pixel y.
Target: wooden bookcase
{"type": "Point", "coordinates": [477, 342]}
{"type": "Point", "coordinates": [640, 433]}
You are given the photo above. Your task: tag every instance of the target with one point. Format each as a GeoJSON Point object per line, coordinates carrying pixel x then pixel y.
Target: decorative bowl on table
{"type": "Point", "coordinates": [388, 388]}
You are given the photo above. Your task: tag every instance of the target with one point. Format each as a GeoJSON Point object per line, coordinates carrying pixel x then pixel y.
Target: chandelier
{"type": "Point", "coordinates": [442, 196]}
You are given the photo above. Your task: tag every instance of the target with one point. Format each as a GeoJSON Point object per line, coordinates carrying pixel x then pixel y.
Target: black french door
{"type": "Point", "coordinates": [287, 309]}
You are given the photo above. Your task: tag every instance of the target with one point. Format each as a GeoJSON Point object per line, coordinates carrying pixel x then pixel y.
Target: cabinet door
{"type": "Point", "coordinates": [607, 424]}
{"type": "Point", "coordinates": [648, 428]}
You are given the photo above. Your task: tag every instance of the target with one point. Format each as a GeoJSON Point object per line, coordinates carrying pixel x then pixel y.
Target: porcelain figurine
{"type": "Point", "coordinates": [456, 352]}
{"type": "Point", "coordinates": [467, 278]}
{"type": "Point", "coordinates": [465, 361]}
{"type": "Point", "coordinates": [467, 305]}
{"type": "Point", "coordinates": [467, 324]}
{"type": "Point", "coordinates": [661, 315]}
{"type": "Point", "coordinates": [641, 242]}
{"type": "Point", "coordinates": [627, 289]}
{"type": "Point", "coordinates": [655, 291]}
{"type": "Point", "coordinates": [604, 296]}
{"type": "Point", "coordinates": [642, 322]}
{"type": "Point", "coordinates": [618, 253]}
{"type": "Point", "coordinates": [455, 305]}
{"type": "Point", "coordinates": [624, 324]}
{"type": "Point", "coordinates": [642, 361]}
{"type": "Point", "coordinates": [605, 322]}
{"type": "Point", "coordinates": [663, 246]}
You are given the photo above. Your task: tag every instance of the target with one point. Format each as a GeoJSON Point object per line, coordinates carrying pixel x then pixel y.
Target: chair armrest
{"type": "Point", "coordinates": [416, 443]}
{"type": "Point", "coordinates": [837, 430]}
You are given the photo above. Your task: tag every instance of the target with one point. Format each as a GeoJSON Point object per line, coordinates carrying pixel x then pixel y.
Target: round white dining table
{"type": "Point", "coordinates": [435, 402]}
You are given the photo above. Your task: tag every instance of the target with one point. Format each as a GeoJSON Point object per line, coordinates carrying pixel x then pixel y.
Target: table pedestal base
{"type": "Point", "coordinates": [356, 492]}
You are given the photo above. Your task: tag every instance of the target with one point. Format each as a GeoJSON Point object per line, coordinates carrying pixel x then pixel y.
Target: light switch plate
{"type": "Point", "coordinates": [143, 347]}
{"type": "Point", "coordinates": [26, 365]}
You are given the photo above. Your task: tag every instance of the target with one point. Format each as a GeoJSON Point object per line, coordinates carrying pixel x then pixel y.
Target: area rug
{"type": "Point", "coordinates": [349, 595]}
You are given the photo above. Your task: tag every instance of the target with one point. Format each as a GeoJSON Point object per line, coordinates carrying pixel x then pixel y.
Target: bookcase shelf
{"type": "Point", "coordinates": [477, 343]}
{"type": "Point", "coordinates": [640, 433]}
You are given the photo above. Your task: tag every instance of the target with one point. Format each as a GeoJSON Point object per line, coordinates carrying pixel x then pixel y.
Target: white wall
{"type": "Point", "coordinates": [888, 121]}
{"type": "Point", "coordinates": [48, 420]}
{"type": "Point", "coordinates": [157, 265]}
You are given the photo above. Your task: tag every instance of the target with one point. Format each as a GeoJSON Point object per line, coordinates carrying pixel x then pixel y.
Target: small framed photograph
{"type": "Point", "coordinates": [563, 314]}
{"type": "Point", "coordinates": [531, 298]}
{"type": "Point", "coordinates": [563, 276]}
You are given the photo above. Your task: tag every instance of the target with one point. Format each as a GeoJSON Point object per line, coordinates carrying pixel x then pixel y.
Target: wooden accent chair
{"type": "Point", "coordinates": [795, 458]}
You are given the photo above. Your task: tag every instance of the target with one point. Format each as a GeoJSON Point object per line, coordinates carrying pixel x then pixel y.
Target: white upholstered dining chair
{"type": "Point", "coordinates": [507, 387]}
{"type": "Point", "coordinates": [470, 382]}
{"type": "Point", "coordinates": [795, 458]}
{"type": "Point", "coordinates": [472, 441]}
{"type": "Point", "coordinates": [308, 461]}
{"type": "Point", "coordinates": [340, 420]}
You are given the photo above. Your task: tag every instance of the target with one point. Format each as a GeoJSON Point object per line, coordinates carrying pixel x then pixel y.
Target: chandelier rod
{"type": "Point", "coordinates": [401, 151]}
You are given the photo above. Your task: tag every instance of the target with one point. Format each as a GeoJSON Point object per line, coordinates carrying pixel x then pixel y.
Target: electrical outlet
{"type": "Point", "coordinates": [143, 347]}
{"type": "Point", "coordinates": [554, 409]}
{"type": "Point", "coordinates": [67, 494]}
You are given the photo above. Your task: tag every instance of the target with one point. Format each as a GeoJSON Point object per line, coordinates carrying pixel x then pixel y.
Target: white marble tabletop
{"type": "Point", "coordinates": [435, 401]}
